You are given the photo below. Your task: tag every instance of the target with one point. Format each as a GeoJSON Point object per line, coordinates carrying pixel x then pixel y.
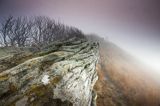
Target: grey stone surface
{"type": "Point", "coordinates": [62, 74]}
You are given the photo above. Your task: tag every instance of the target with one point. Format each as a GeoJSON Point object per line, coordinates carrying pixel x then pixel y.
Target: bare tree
{"type": "Point", "coordinates": [24, 31]}
{"type": "Point", "coordinates": [39, 25]}
{"type": "Point", "coordinates": [45, 30]}
{"type": "Point", "coordinates": [5, 30]}
{"type": "Point", "coordinates": [20, 31]}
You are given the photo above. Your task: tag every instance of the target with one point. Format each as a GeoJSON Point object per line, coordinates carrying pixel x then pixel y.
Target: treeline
{"type": "Point", "coordinates": [34, 31]}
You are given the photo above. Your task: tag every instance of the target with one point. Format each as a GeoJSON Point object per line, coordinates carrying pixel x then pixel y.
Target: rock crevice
{"type": "Point", "coordinates": [62, 74]}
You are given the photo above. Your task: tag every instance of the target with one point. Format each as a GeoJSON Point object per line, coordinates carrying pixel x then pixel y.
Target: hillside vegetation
{"type": "Point", "coordinates": [123, 80]}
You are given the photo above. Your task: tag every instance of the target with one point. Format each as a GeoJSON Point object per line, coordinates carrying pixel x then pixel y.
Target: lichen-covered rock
{"type": "Point", "coordinates": [62, 74]}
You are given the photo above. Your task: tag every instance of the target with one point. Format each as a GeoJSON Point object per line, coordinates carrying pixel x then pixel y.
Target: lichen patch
{"type": "Point", "coordinates": [45, 79]}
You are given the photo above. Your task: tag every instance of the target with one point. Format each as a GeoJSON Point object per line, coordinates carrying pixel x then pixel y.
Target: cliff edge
{"type": "Point", "coordinates": [61, 74]}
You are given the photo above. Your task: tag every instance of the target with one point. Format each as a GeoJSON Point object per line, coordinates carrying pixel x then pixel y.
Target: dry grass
{"type": "Point", "coordinates": [123, 82]}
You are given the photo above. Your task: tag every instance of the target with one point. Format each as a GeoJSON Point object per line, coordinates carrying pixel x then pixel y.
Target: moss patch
{"type": "Point", "coordinates": [55, 80]}
{"type": "Point", "coordinates": [4, 77]}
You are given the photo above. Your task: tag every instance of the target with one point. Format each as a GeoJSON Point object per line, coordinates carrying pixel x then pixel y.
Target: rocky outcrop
{"type": "Point", "coordinates": [62, 74]}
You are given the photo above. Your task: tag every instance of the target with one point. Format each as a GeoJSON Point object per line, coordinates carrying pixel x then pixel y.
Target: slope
{"type": "Point", "coordinates": [123, 80]}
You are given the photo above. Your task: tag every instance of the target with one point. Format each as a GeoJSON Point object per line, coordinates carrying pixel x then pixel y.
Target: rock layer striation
{"type": "Point", "coordinates": [61, 74]}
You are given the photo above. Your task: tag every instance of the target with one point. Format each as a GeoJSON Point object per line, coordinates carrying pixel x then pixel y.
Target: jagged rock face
{"type": "Point", "coordinates": [62, 74]}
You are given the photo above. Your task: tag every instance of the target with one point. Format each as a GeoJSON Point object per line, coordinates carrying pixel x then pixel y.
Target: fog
{"type": "Point", "coordinates": [132, 25]}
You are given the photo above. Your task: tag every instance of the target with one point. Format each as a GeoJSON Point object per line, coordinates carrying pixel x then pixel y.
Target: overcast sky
{"type": "Point", "coordinates": [133, 25]}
